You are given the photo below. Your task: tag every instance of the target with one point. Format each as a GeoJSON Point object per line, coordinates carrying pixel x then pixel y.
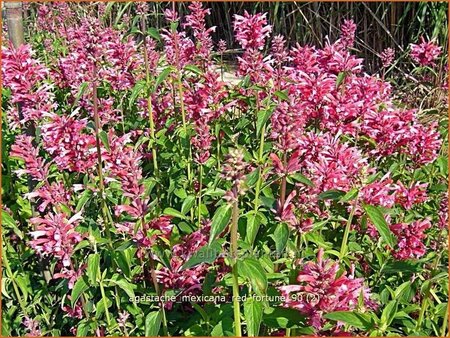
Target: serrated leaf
{"type": "Point", "coordinates": [351, 195]}
{"type": "Point", "coordinates": [282, 95]}
{"type": "Point", "coordinates": [153, 324]}
{"type": "Point", "coordinates": [281, 236]}
{"type": "Point", "coordinates": [79, 287]}
{"type": "Point", "coordinates": [93, 268]}
{"type": "Point", "coordinates": [263, 117]}
{"type": "Point", "coordinates": [83, 199]}
{"type": "Point", "coordinates": [377, 218]}
{"type": "Point", "coordinates": [124, 285]}
{"type": "Point", "coordinates": [187, 204]}
{"type": "Point", "coordinates": [219, 221]}
{"type": "Point", "coordinates": [162, 76]}
{"type": "Point", "coordinates": [253, 223]}
{"type": "Point", "coordinates": [153, 32]}
{"type": "Point", "coordinates": [137, 89]}
{"type": "Point", "coordinates": [104, 138]}
{"type": "Point", "coordinates": [193, 69]}
{"type": "Point", "coordinates": [331, 195]}
{"type": "Point", "coordinates": [350, 318]}
{"type": "Point", "coordinates": [253, 313]}
{"type": "Point", "coordinates": [173, 212]}
{"type": "Point", "coordinates": [252, 270]}
{"type": "Point", "coordinates": [302, 179]}
{"type": "Point", "coordinates": [206, 254]}
{"type": "Point", "coordinates": [388, 314]}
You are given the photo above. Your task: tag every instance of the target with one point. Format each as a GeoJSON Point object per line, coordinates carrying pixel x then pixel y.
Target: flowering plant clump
{"type": "Point", "coordinates": [144, 194]}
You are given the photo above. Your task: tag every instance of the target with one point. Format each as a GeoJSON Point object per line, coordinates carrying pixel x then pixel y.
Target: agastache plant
{"type": "Point", "coordinates": [170, 191]}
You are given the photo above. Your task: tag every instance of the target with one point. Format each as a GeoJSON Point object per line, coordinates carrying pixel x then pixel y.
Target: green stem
{"type": "Point", "coordinates": [158, 292]}
{"type": "Point", "coordinates": [344, 245]}
{"type": "Point", "coordinates": [5, 263]}
{"type": "Point", "coordinates": [444, 324]}
{"type": "Point", "coordinates": [234, 251]}
{"type": "Point", "coordinates": [105, 303]}
{"type": "Point", "coordinates": [99, 156]}
{"type": "Point", "coordinates": [200, 196]}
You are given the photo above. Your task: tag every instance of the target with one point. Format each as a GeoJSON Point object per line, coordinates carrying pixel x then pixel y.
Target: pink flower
{"type": "Point", "coordinates": [348, 30]}
{"type": "Point", "coordinates": [321, 291]}
{"type": "Point", "coordinates": [71, 275]}
{"type": "Point", "coordinates": [425, 53]}
{"type": "Point", "coordinates": [32, 326]}
{"type": "Point", "coordinates": [26, 76]}
{"type": "Point", "coordinates": [221, 46]}
{"type": "Point", "coordinates": [123, 317]}
{"type": "Point", "coordinates": [278, 49]}
{"type": "Point", "coordinates": [55, 235]}
{"type": "Point", "coordinates": [24, 149]}
{"type": "Point", "coordinates": [409, 239]}
{"type": "Point", "coordinates": [292, 165]}
{"type": "Point", "coordinates": [443, 212]}
{"type": "Point", "coordinates": [251, 31]}
{"type": "Point", "coordinates": [51, 194]}
{"type": "Point", "coordinates": [177, 278]}
{"type": "Point", "coordinates": [415, 194]}
{"type": "Point", "coordinates": [379, 193]}
{"type": "Point", "coordinates": [196, 20]}
{"type": "Point", "coordinates": [73, 312]}
{"type": "Point", "coordinates": [387, 57]}
{"type": "Point", "coordinates": [71, 149]}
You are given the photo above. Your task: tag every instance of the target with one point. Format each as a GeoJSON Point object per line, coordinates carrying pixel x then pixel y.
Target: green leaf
{"type": "Point", "coordinates": [104, 138]}
{"type": "Point", "coordinates": [253, 223]}
{"type": "Point", "coordinates": [80, 92]}
{"type": "Point", "coordinates": [193, 69]}
{"type": "Point", "coordinates": [283, 95]}
{"type": "Point", "coordinates": [280, 237]}
{"type": "Point", "coordinates": [79, 287]}
{"type": "Point", "coordinates": [220, 221]}
{"type": "Point", "coordinates": [252, 270]}
{"type": "Point", "coordinates": [187, 204]}
{"type": "Point", "coordinates": [340, 78]}
{"type": "Point", "coordinates": [153, 32]}
{"type": "Point", "coordinates": [351, 318]}
{"type": "Point", "coordinates": [351, 195]}
{"type": "Point", "coordinates": [93, 268]}
{"type": "Point", "coordinates": [206, 254]}
{"type": "Point", "coordinates": [137, 89]}
{"type": "Point", "coordinates": [124, 285]}
{"type": "Point", "coordinates": [173, 212]}
{"type": "Point", "coordinates": [302, 179]}
{"type": "Point", "coordinates": [253, 313]}
{"type": "Point", "coordinates": [283, 318]}
{"type": "Point", "coordinates": [263, 117]}
{"type": "Point", "coordinates": [331, 195]}
{"type": "Point", "coordinates": [153, 324]}
{"type": "Point", "coordinates": [376, 216]}
{"type": "Point", "coordinates": [162, 76]}
{"type": "Point", "coordinates": [83, 199]}
{"type": "Point", "coordinates": [388, 314]}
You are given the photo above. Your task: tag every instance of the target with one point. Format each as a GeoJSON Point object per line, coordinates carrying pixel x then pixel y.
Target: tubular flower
{"type": "Point", "coordinates": [415, 194]}
{"type": "Point", "coordinates": [251, 31]}
{"type": "Point", "coordinates": [25, 76]}
{"type": "Point", "coordinates": [425, 53]}
{"type": "Point", "coordinates": [71, 149]}
{"type": "Point", "coordinates": [34, 164]}
{"type": "Point", "coordinates": [387, 57]}
{"type": "Point", "coordinates": [348, 30]}
{"type": "Point", "coordinates": [56, 236]}
{"type": "Point", "coordinates": [32, 326]}
{"type": "Point", "coordinates": [321, 291]}
{"type": "Point", "coordinates": [409, 239]}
